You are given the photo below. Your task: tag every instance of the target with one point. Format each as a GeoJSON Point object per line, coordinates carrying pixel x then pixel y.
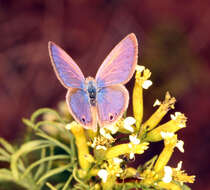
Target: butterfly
{"type": "Point", "coordinates": [102, 100]}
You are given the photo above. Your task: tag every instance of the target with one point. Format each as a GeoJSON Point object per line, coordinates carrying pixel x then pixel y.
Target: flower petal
{"type": "Point", "coordinates": [103, 174]}
{"type": "Point", "coordinates": [146, 84]}
{"type": "Point", "coordinates": [167, 174]}
{"type": "Point", "coordinates": [134, 139]}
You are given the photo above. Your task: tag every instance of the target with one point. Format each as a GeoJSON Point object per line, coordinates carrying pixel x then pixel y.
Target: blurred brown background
{"type": "Point", "coordinates": [174, 44]}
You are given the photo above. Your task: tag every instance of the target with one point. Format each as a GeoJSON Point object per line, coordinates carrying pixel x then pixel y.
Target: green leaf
{"type": "Point", "coordinates": [53, 172]}
{"type": "Point", "coordinates": [55, 142]}
{"type": "Point", "coordinates": [50, 186]}
{"type": "Point", "coordinates": [41, 167]}
{"type": "Point", "coordinates": [7, 146]}
{"type": "Point", "coordinates": [24, 149]}
{"type": "Point", "coordinates": [27, 122]}
{"type": "Point", "coordinates": [4, 159]}
{"type": "Point", "coordinates": [80, 182]}
{"type": "Point", "coordinates": [72, 145]}
{"type": "Point", "coordinates": [49, 158]}
{"type": "Point", "coordinates": [49, 165]}
{"type": "Point", "coordinates": [5, 175]}
{"type": "Point", "coordinates": [59, 185]}
{"type": "Point", "coordinates": [4, 153]}
{"type": "Point", "coordinates": [52, 123]}
{"type": "Point", "coordinates": [67, 183]}
{"type": "Point", "coordinates": [45, 110]}
{"type": "Point", "coordinates": [150, 163]}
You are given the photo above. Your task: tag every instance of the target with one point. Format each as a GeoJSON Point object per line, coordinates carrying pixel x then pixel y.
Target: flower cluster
{"type": "Point", "coordinates": [107, 151]}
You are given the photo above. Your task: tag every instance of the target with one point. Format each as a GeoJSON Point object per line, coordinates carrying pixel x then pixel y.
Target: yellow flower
{"type": "Point", "coordinates": [142, 76]}
{"type": "Point", "coordinates": [177, 122]}
{"type": "Point", "coordinates": [170, 140]}
{"type": "Point", "coordinates": [156, 117]}
{"type": "Point", "coordinates": [127, 148]}
{"type": "Point", "coordinates": [81, 143]}
{"type": "Point", "coordinates": [181, 176]}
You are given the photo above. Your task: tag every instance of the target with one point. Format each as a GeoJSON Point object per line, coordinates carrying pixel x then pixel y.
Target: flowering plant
{"type": "Point", "coordinates": [67, 156]}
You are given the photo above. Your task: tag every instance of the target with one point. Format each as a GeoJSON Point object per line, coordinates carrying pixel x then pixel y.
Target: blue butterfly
{"type": "Point", "coordinates": [101, 100]}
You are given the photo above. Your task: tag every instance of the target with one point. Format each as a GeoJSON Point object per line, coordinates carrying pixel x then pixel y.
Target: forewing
{"type": "Point", "coordinates": [119, 65]}
{"type": "Point", "coordinates": [65, 67]}
{"type": "Point", "coordinates": [111, 104]}
{"type": "Point", "coordinates": [79, 107]}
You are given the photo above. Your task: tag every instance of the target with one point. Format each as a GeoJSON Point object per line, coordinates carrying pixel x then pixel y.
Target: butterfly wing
{"type": "Point", "coordinates": [119, 65]}
{"type": "Point", "coordinates": [79, 107]}
{"type": "Point", "coordinates": [65, 68]}
{"type": "Point", "coordinates": [111, 103]}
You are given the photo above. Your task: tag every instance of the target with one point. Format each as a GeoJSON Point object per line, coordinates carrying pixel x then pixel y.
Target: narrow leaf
{"type": "Point", "coordinates": [7, 145]}
{"type": "Point", "coordinates": [41, 167]}
{"type": "Point", "coordinates": [54, 172]}
{"type": "Point", "coordinates": [27, 122]}
{"type": "Point", "coordinates": [34, 164]}
{"type": "Point", "coordinates": [24, 149]}
{"type": "Point", "coordinates": [55, 142]}
{"type": "Point", "coordinates": [4, 153]}
{"type": "Point", "coordinates": [52, 123]}
{"type": "Point", "coordinates": [67, 183]}
{"type": "Point", "coordinates": [45, 110]}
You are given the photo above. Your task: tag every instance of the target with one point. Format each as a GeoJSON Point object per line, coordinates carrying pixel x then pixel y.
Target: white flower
{"type": "Point", "coordinates": [117, 160]}
{"type": "Point", "coordinates": [140, 68]}
{"type": "Point", "coordinates": [182, 125]}
{"type": "Point", "coordinates": [157, 103]}
{"type": "Point", "coordinates": [166, 135]}
{"type": "Point", "coordinates": [94, 142]}
{"type": "Point", "coordinates": [112, 128]}
{"type": "Point", "coordinates": [128, 122]}
{"type": "Point", "coordinates": [103, 133]}
{"type": "Point", "coordinates": [103, 174]}
{"type": "Point", "coordinates": [68, 126]}
{"type": "Point", "coordinates": [167, 174]}
{"type": "Point", "coordinates": [179, 165]}
{"type": "Point", "coordinates": [133, 139]}
{"type": "Point", "coordinates": [98, 147]}
{"type": "Point", "coordinates": [146, 84]}
{"type": "Point", "coordinates": [180, 146]}
{"type": "Point", "coordinates": [131, 155]}
{"type": "Point", "coordinates": [177, 114]}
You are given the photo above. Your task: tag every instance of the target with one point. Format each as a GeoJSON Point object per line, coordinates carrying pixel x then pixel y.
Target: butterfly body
{"type": "Point", "coordinates": [102, 99]}
{"type": "Point", "coordinates": [91, 90]}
